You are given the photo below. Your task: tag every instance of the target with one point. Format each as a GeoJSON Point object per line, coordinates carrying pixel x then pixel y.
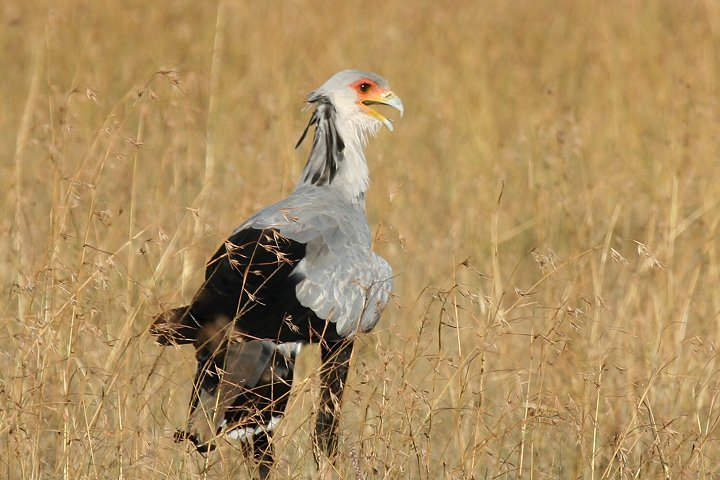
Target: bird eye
{"type": "Point", "coordinates": [364, 87]}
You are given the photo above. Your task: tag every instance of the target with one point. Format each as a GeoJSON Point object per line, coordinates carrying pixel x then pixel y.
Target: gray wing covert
{"type": "Point", "coordinates": [349, 287]}
{"type": "Point", "coordinates": [341, 279]}
{"type": "Point", "coordinates": [309, 214]}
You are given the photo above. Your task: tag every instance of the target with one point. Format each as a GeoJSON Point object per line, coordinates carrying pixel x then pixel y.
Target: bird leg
{"type": "Point", "coordinates": [333, 374]}
{"type": "Point", "coordinates": [263, 453]}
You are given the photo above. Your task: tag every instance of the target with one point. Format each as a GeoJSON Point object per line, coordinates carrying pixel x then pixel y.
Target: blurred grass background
{"type": "Point", "coordinates": [550, 202]}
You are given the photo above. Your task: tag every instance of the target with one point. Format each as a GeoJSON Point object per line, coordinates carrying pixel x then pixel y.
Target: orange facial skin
{"type": "Point", "coordinates": [369, 93]}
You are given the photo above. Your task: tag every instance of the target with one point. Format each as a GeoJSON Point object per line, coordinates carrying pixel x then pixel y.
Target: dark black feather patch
{"type": "Point", "coordinates": [249, 288]}
{"type": "Point", "coordinates": [328, 146]}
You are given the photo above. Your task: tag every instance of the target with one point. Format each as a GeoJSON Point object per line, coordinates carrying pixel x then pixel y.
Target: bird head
{"type": "Point", "coordinates": [344, 117]}
{"type": "Point", "coordinates": [354, 93]}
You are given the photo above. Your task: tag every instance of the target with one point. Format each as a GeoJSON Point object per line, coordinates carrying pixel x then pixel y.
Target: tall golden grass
{"type": "Point", "coordinates": [550, 203]}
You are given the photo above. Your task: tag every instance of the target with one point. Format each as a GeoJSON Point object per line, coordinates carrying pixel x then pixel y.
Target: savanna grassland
{"type": "Point", "coordinates": [550, 203]}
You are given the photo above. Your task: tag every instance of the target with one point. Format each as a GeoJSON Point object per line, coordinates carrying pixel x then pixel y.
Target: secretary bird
{"type": "Point", "coordinates": [299, 271]}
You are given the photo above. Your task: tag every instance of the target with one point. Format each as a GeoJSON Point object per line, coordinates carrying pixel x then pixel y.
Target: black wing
{"type": "Point", "coordinates": [248, 284]}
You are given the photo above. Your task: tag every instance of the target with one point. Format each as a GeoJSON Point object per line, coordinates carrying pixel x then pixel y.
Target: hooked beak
{"type": "Point", "coordinates": [386, 98]}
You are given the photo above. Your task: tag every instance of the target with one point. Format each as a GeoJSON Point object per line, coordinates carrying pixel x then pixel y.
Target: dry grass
{"type": "Point", "coordinates": [550, 202]}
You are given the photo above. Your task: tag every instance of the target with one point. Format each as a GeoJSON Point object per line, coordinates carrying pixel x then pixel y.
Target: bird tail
{"type": "Point", "coordinates": [242, 391]}
{"type": "Point", "coordinates": [175, 327]}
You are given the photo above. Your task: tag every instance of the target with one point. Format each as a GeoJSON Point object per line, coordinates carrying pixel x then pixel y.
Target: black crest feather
{"type": "Point", "coordinates": [328, 146]}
